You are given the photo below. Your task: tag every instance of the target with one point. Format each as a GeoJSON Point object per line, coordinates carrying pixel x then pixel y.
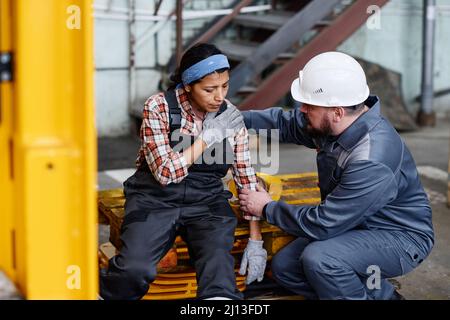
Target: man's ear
{"type": "Point", "coordinates": [187, 88]}
{"type": "Point", "coordinates": [338, 114]}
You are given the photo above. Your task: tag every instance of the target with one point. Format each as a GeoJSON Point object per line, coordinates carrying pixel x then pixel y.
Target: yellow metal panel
{"type": "Point", "coordinates": [6, 178]}
{"type": "Point", "coordinates": [56, 243]}
{"type": "Point", "coordinates": [55, 149]}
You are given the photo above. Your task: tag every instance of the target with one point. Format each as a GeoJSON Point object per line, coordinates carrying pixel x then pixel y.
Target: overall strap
{"type": "Point", "coordinates": [174, 110]}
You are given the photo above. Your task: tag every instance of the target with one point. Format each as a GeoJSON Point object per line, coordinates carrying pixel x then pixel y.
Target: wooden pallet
{"type": "Point", "coordinates": [180, 286]}
{"type": "Point", "coordinates": [298, 189]}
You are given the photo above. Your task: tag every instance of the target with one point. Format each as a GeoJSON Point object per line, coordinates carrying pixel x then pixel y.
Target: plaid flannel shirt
{"type": "Point", "coordinates": [168, 166]}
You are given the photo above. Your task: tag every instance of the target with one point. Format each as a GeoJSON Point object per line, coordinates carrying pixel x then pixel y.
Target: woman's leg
{"type": "Point", "coordinates": [146, 238]}
{"type": "Point", "coordinates": [209, 233]}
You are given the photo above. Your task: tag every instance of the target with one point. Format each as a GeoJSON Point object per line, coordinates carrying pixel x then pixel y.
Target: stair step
{"type": "Point", "coordinates": [247, 90]}
{"type": "Point", "coordinates": [272, 20]}
{"type": "Point", "coordinates": [323, 23]}
{"type": "Point", "coordinates": [286, 55]}
{"type": "Point", "coordinates": [237, 51]}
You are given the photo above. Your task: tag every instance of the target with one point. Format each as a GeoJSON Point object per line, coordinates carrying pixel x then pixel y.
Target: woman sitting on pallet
{"type": "Point", "coordinates": [190, 137]}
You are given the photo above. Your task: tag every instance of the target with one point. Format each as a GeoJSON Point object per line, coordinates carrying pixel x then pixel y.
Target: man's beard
{"type": "Point", "coordinates": [322, 132]}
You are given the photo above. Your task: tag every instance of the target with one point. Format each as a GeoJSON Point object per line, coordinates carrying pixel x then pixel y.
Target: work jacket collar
{"type": "Point", "coordinates": [358, 129]}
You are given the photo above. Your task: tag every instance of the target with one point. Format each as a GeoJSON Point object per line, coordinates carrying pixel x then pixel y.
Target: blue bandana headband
{"type": "Point", "coordinates": [204, 67]}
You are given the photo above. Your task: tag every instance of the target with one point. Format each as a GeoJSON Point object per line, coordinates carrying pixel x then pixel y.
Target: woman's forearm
{"type": "Point", "coordinates": [255, 230]}
{"type": "Point", "coordinates": [194, 151]}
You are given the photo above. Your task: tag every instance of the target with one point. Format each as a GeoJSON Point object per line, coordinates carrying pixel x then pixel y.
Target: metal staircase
{"type": "Point", "coordinates": [268, 49]}
{"type": "Point", "coordinates": [287, 27]}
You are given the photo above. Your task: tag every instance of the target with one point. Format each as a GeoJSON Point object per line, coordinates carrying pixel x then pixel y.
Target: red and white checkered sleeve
{"type": "Point", "coordinates": [166, 165]}
{"type": "Point", "coordinates": [243, 173]}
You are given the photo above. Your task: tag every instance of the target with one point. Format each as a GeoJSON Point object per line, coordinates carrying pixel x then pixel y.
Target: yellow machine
{"type": "Point", "coordinates": [48, 236]}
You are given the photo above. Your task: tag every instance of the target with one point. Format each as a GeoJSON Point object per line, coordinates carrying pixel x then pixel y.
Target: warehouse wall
{"type": "Point", "coordinates": [112, 52]}
{"type": "Point", "coordinates": [396, 45]}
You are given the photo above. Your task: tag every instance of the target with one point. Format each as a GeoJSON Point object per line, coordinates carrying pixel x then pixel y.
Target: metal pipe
{"type": "Point", "coordinates": [179, 43]}
{"type": "Point", "coordinates": [429, 19]}
{"type": "Point", "coordinates": [123, 14]}
{"type": "Point", "coordinates": [132, 54]}
{"type": "Point", "coordinates": [158, 5]}
{"type": "Point", "coordinates": [125, 68]}
{"type": "Point", "coordinates": [400, 9]}
{"type": "Point", "coordinates": [223, 22]}
{"type": "Point", "coordinates": [273, 4]}
{"type": "Point", "coordinates": [153, 30]}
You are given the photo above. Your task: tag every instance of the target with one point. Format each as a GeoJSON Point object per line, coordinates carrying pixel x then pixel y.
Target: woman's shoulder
{"type": "Point", "coordinates": [156, 103]}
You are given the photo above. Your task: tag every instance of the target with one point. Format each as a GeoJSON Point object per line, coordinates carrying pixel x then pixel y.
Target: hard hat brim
{"type": "Point", "coordinates": [295, 90]}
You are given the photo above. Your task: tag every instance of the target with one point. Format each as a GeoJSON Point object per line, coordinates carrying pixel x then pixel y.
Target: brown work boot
{"type": "Point", "coordinates": [397, 296]}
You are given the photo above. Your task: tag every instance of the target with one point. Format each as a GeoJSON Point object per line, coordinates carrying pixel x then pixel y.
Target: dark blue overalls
{"type": "Point", "coordinates": [197, 208]}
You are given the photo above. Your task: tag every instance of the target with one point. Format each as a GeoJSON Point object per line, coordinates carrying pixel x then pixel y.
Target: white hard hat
{"type": "Point", "coordinates": [331, 79]}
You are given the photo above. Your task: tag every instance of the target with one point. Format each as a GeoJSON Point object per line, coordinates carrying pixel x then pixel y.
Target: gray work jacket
{"type": "Point", "coordinates": [367, 178]}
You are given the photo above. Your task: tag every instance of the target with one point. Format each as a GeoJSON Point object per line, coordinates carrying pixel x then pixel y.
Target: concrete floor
{"type": "Point", "coordinates": [430, 148]}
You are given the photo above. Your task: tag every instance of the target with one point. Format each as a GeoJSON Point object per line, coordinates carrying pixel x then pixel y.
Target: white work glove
{"type": "Point", "coordinates": [221, 127]}
{"type": "Point", "coordinates": [255, 257]}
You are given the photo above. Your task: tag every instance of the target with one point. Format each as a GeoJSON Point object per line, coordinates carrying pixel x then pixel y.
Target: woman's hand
{"type": "Point", "coordinates": [221, 127]}
{"type": "Point", "coordinates": [254, 261]}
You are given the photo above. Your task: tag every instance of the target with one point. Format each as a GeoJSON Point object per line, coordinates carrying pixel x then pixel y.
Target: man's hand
{"type": "Point", "coordinates": [253, 202]}
{"type": "Point", "coordinates": [253, 261]}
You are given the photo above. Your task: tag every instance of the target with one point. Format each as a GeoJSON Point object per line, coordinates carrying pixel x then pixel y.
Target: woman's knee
{"type": "Point", "coordinates": [136, 272]}
{"type": "Point", "coordinates": [125, 282]}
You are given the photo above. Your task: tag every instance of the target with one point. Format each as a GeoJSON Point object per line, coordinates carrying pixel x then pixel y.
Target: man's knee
{"type": "Point", "coordinates": [316, 258]}
{"type": "Point", "coordinates": [285, 266]}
